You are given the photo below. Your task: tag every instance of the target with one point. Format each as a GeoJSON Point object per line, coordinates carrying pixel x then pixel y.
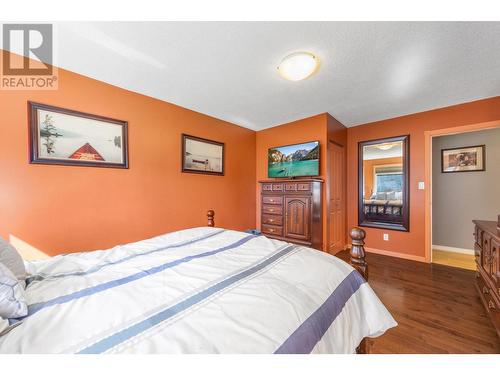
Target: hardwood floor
{"type": "Point", "coordinates": [459, 260]}
{"type": "Point", "coordinates": [436, 307]}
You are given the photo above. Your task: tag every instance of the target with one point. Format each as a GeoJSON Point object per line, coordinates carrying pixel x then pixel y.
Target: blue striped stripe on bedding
{"type": "Point", "coordinates": [36, 307]}
{"type": "Point", "coordinates": [246, 273]}
{"type": "Point", "coordinates": [309, 333]}
{"type": "Point", "coordinates": [41, 276]}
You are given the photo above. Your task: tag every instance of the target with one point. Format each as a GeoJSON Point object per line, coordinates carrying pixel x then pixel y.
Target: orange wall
{"type": "Point", "coordinates": [410, 244]}
{"type": "Point", "coordinates": [337, 132]}
{"type": "Point", "coordinates": [61, 209]}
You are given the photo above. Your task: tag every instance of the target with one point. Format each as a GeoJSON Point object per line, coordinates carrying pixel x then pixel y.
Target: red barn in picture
{"type": "Point", "coordinates": [86, 152]}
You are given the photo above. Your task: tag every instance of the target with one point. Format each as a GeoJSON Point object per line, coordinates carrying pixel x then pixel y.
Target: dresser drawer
{"type": "Point", "coordinates": [272, 219]}
{"type": "Point", "coordinates": [267, 187]}
{"type": "Point", "coordinates": [271, 199]}
{"type": "Point", "coordinates": [272, 229]}
{"type": "Point", "coordinates": [277, 187]}
{"type": "Point", "coordinates": [481, 285]}
{"type": "Point", "coordinates": [298, 186]}
{"type": "Point", "coordinates": [489, 295]}
{"type": "Point", "coordinates": [303, 187]}
{"type": "Point", "coordinates": [272, 209]}
{"type": "Point", "coordinates": [492, 304]}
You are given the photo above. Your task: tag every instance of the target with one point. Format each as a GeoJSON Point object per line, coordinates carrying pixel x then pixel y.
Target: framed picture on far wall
{"type": "Point", "coordinates": [463, 159]}
{"type": "Point", "coordinates": [66, 137]}
{"type": "Point", "coordinates": [200, 155]}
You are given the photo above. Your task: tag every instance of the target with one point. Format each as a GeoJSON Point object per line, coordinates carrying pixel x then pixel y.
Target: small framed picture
{"type": "Point", "coordinates": [201, 155]}
{"type": "Point", "coordinates": [66, 137]}
{"type": "Point", "coordinates": [463, 159]}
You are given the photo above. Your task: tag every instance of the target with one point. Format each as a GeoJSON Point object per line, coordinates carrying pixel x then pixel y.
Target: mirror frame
{"type": "Point", "coordinates": [362, 221]}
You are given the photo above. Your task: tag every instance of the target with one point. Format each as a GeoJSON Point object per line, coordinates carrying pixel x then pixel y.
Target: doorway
{"type": "Point", "coordinates": [460, 192]}
{"type": "Point", "coordinates": [336, 199]}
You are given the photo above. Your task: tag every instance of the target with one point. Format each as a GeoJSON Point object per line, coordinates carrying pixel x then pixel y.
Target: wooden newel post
{"type": "Point", "coordinates": [357, 252]}
{"type": "Point", "coordinates": [210, 217]}
{"type": "Point", "coordinates": [358, 261]}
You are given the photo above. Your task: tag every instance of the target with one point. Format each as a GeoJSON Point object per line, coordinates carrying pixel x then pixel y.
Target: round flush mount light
{"type": "Point", "coordinates": [385, 146]}
{"type": "Point", "coordinates": [298, 66]}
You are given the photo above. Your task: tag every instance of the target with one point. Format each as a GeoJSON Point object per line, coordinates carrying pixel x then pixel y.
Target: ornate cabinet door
{"type": "Point", "coordinates": [298, 217]}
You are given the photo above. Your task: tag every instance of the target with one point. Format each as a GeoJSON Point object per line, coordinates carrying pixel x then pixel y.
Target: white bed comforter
{"type": "Point", "coordinates": [202, 290]}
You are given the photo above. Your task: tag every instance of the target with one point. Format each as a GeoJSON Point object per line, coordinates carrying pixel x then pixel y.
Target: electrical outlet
{"type": "Point", "coordinates": [386, 236]}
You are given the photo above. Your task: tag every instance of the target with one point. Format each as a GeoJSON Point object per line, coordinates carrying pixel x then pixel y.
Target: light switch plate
{"type": "Point", "coordinates": [386, 236]}
{"type": "Point", "coordinates": [421, 185]}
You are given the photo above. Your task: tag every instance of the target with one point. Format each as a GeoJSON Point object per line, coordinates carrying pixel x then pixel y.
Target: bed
{"type": "Point", "coordinates": [199, 290]}
{"type": "Point", "coordinates": [385, 206]}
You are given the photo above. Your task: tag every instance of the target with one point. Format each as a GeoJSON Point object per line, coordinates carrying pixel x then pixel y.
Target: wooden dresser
{"type": "Point", "coordinates": [487, 253]}
{"type": "Point", "coordinates": [291, 211]}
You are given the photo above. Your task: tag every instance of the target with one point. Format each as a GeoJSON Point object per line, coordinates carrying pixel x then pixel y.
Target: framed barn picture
{"type": "Point", "coordinates": [463, 159]}
{"type": "Point", "coordinates": [66, 137]}
{"type": "Point", "coordinates": [200, 155]}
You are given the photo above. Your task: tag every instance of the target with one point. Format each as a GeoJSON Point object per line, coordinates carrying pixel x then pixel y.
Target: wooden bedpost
{"type": "Point", "coordinates": [210, 217]}
{"type": "Point", "coordinates": [357, 252]}
{"type": "Point", "coordinates": [358, 261]}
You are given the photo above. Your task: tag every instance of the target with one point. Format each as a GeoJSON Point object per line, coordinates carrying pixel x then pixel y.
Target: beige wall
{"type": "Point", "coordinates": [458, 198]}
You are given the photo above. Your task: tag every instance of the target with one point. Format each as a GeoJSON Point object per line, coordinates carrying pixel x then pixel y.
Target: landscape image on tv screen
{"type": "Point", "coordinates": [294, 160]}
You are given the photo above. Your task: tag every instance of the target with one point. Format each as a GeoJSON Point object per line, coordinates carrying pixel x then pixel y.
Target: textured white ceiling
{"type": "Point", "coordinates": [370, 70]}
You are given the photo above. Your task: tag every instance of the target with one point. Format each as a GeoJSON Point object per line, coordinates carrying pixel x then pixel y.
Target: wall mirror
{"type": "Point", "coordinates": [383, 183]}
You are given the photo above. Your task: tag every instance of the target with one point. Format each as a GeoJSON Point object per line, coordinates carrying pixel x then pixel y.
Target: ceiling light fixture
{"type": "Point", "coordinates": [298, 66]}
{"type": "Point", "coordinates": [385, 146]}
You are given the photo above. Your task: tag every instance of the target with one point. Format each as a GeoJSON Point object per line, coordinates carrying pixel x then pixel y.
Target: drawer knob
{"type": "Point", "coordinates": [271, 220]}
{"type": "Point", "coordinates": [271, 210]}
{"type": "Point", "coordinates": [271, 230]}
{"type": "Point", "coordinates": [271, 200]}
{"type": "Point", "coordinates": [485, 290]}
{"type": "Point", "coordinates": [491, 305]}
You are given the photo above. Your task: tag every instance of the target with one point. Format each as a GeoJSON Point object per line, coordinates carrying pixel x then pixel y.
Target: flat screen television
{"type": "Point", "coordinates": [298, 160]}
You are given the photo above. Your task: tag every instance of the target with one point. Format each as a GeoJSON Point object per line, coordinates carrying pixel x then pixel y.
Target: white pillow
{"type": "Point", "coordinates": [12, 260]}
{"type": "Point", "coordinates": [12, 300]}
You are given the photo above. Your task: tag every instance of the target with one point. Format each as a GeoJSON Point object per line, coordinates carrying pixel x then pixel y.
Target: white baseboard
{"type": "Point", "coordinates": [453, 249]}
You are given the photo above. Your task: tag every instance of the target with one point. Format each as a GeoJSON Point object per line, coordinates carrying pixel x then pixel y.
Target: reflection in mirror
{"type": "Point", "coordinates": [383, 183]}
